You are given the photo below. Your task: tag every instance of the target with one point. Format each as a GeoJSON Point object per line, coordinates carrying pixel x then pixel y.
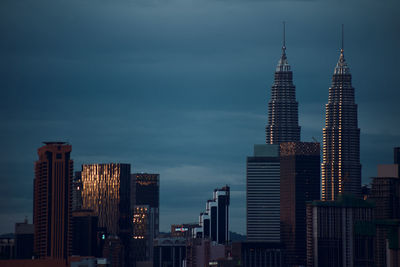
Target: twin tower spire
{"type": "Point", "coordinates": [341, 168]}
{"type": "Point", "coordinates": [283, 117]}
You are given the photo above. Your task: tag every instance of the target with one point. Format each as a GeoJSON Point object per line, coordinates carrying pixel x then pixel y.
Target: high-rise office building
{"type": "Point", "coordinates": [24, 233]}
{"type": "Point", "coordinates": [52, 200]}
{"type": "Point", "coordinates": [214, 222]}
{"type": "Point", "coordinates": [300, 183]}
{"type": "Point", "coordinates": [340, 233]}
{"type": "Point", "coordinates": [283, 117]}
{"type": "Point", "coordinates": [106, 191]}
{"type": "Point", "coordinates": [263, 194]}
{"type": "Point", "coordinates": [84, 233]}
{"type": "Point", "coordinates": [385, 192]}
{"type": "Point", "coordinates": [341, 168]}
{"type": "Point", "coordinates": [145, 203]}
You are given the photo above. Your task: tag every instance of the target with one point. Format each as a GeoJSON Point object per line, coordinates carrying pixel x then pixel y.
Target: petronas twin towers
{"type": "Point", "coordinates": [341, 168]}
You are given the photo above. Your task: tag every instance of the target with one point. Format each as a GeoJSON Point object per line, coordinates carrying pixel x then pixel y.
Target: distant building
{"type": "Point", "coordinates": [114, 251]}
{"type": "Point", "coordinates": [283, 117]}
{"type": "Point", "coordinates": [263, 194]}
{"type": "Point", "coordinates": [385, 192]}
{"type": "Point", "coordinates": [257, 254]}
{"type": "Point", "coordinates": [52, 201]}
{"type": "Point", "coordinates": [7, 247]}
{"type": "Point", "coordinates": [169, 252]}
{"type": "Point", "coordinates": [186, 230]}
{"type": "Point", "coordinates": [76, 191]}
{"type": "Point", "coordinates": [214, 222]}
{"type": "Point", "coordinates": [300, 183]}
{"type": "Point", "coordinates": [145, 204]}
{"type": "Point", "coordinates": [203, 252]}
{"type": "Point", "coordinates": [340, 233]}
{"type": "Point", "coordinates": [24, 234]}
{"type": "Point", "coordinates": [85, 234]}
{"type": "Point", "coordinates": [396, 154]}
{"type": "Point", "coordinates": [341, 168]}
{"type": "Point", "coordinates": [106, 191]}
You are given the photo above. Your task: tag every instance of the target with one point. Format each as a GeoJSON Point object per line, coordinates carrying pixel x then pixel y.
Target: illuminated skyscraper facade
{"type": "Point", "coordinates": [106, 191]}
{"type": "Point", "coordinates": [341, 168]}
{"type": "Point", "coordinates": [283, 117]}
{"type": "Point", "coordinates": [52, 201]}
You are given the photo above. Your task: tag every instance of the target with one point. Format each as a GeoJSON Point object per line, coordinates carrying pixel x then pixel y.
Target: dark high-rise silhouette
{"type": "Point", "coordinates": [385, 192]}
{"type": "Point", "coordinates": [300, 183]}
{"type": "Point", "coordinates": [214, 222]}
{"type": "Point", "coordinates": [52, 201]}
{"type": "Point", "coordinates": [145, 203]}
{"type": "Point", "coordinates": [283, 118]}
{"type": "Point", "coordinates": [341, 168]}
{"type": "Point", "coordinates": [263, 194]}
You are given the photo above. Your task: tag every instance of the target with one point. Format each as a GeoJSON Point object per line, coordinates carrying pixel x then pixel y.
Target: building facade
{"type": "Point", "coordinates": [214, 222]}
{"type": "Point", "coordinates": [300, 183]}
{"type": "Point", "coordinates": [106, 191]}
{"type": "Point", "coordinates": [340, 233]}
{"type": "Point", "coordinates": [85, 235]}
{"type": "Point", "coordinates": [341, 168]}
{"type": "Point", "coordinates": [145, 203]}
{"type": "Point", "coordinates": [385, 192]}
{"type": "Point", "coordinates": [263, 194]}
{"type": "Point", "coordinates": [283, 117]}
{"type": "Point", "coordinates": [52, 200]}
{"type": "Point", "coordinates": [24, 235]}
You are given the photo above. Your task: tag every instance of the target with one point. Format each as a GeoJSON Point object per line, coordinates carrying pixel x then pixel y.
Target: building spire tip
{"type": "Point", "coordinates": [284, 37]}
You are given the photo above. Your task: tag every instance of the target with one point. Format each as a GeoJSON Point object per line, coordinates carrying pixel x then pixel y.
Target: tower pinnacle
{"type": "Point", "coordinates": [284, 39]}
{"type": "Point", "coordinates": [283, 124]}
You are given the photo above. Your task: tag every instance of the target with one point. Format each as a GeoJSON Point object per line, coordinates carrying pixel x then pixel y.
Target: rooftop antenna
{"type": "Point", "coordinates": [284, 37]}
{"type": "Point", "coordinates": [342, 49]}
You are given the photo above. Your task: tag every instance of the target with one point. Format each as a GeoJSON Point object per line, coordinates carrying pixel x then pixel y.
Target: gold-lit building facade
{"type": "Point", "coordinates": [106, 191]}
{"type": "Point", "coordinates": [341, 168]}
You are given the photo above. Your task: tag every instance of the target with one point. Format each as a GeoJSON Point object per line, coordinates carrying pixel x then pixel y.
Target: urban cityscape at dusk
{"type": "Point", "coordinates": [199, 133]}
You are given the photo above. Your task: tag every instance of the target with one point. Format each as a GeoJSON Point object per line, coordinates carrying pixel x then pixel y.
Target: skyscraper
{"type": "Point", "coordinates": [300, 183]}
{"type": "Point", "coordinates": [106, 191]}
{"type": "Point", "coordinates": [341, 168]}
{"type": "Point", "coordinates": [263, 194]}
{"type": "Point", "coordinates": [385, 192]}
{"type": "Point", "coordinates": [283, 118]}
{"type": "Point", "coordinates": [214, 222]}
{"type": "Point", "coordinates": [145, 203]}
{"type": "Point", "coordinates": [52, 201]}
{"type": "Point", "coordinates": [340, 233]}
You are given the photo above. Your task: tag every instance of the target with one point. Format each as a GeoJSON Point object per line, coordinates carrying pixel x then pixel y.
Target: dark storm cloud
{"type": "Point", "coordinates": [180, 87]}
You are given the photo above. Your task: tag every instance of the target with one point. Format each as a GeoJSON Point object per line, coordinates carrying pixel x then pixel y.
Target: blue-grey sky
{"type": "Point", "coordinates": [180, 87]}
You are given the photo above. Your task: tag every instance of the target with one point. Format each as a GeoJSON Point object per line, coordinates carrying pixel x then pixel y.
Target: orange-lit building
{"type": "Point", "coordinates": [105, 190]}
{"type": "Point", "coordinates": [53, 201]}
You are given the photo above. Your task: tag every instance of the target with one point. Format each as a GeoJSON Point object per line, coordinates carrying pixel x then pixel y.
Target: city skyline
{"type": "Point", "coordinates": [197, 114]}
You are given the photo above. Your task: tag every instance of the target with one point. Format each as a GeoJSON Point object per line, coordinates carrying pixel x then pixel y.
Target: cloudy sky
{"type": "Point", "coordinates": [180, 87]}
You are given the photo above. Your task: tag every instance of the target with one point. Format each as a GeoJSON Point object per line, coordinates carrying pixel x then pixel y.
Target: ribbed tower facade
{"type": "Point", "coordinates": [341, 168]}
{"type": "Point", "coordinates": [283, 117]}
